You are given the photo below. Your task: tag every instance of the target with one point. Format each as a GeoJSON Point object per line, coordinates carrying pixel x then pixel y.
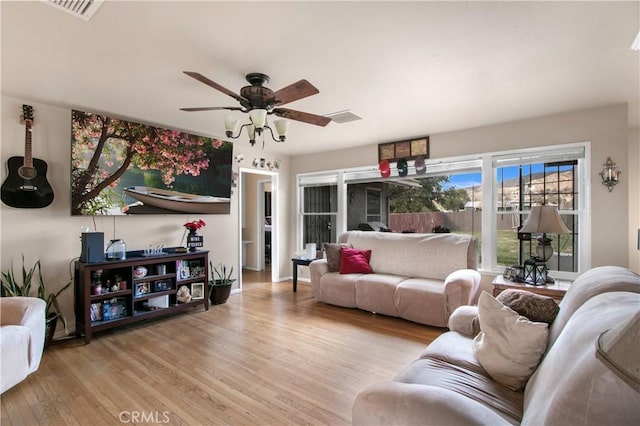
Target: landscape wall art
{"type": "Point", "coordinates": [119, 167]}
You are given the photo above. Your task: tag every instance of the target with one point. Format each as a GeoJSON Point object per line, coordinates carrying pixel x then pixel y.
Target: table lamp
{"type": "Point", "coordinates": [542, 220]}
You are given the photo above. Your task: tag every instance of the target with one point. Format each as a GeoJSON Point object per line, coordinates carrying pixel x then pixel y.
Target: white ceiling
{"type": "Point", "coordinates": [408, 68]}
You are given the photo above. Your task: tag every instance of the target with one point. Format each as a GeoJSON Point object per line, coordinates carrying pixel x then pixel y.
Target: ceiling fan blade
{"type": "Point", "coordinates": [293, 92]}
{"type": "Point", "coordinates": [211, 109]}
{"type": "Point", "coordinates": [201, 78]}
{"type": "Point", "coordinates": [305, 117]}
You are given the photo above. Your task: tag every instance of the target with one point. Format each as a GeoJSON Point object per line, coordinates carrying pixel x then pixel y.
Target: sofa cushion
{"type": "Point", "coordinates": [355, 261]}
{"type": "Point", "coordinates": [375, 293]}
{"type": "Point", "coordinates": [509, 347]}
{"type": "Point", "coordinates": [339, 289]}
{"type": "Point", "coordinates": [535, 307]}
{"type": "Point", "coordinates": [476, 386]}
{"type": "Point", "coordinates": [422, 300]}
{"type": "Point", "coordinates": [572, 386]}
{"type": "Point", "coordinates": [333, 255]}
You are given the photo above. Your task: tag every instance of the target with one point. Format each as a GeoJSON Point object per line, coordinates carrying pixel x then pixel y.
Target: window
{"type": "Point", "coordinates": [373, 205]}
{"type": "Point", "coordinates": [319, 214]}
{"type": "Point", "coordinates": [451, 197]}
{"type": "Point", "coordinates": [549, 177]}
{"type": "Point", "coordinates": [520, 188]}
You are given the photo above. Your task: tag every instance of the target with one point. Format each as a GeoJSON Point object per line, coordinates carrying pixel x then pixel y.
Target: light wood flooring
{"type": "Point", "coordinates": [267, 357]}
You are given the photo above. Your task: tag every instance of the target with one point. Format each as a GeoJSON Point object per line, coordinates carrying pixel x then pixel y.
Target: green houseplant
{"type": "Point", "coordinates": [12, 288]}
{"type": "Point", "coordinates": [220, 283]}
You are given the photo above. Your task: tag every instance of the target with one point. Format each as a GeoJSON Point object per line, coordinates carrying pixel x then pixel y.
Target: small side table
{"type": "Point", "coordinates": [555, 291]}
{"type": "Point", "coordinates": [298, 261]}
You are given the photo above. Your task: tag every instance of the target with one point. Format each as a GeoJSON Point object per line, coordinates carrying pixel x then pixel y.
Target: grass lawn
{"type": "Point", "coordinates": [507, 245]}
{"type": "Point", "coordinates": [507, 242]}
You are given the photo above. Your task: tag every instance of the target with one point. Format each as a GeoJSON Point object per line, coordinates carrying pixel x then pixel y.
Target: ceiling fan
{"type": "Point", "coordinates": [260, 101]}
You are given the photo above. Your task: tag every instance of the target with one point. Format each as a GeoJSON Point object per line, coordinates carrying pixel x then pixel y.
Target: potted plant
{"type": "Point", "coordinates": [220, 283]}
{"type": "Point", "coordinates": [11, 288]}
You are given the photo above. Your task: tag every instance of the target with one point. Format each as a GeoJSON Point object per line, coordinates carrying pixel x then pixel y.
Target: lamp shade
{"type": "Point", "coordinates": [543, 220]}
{"type": "Point", "coordinates": [282, 126]}
{"type": "Point", "coordinates": [230, 122]}
{"type": "Point", "coordinates": [251, 131]}
{"type": "Point", "coordinates": [617, 348]}
{"type": "Point", "coordinates": [258, 117]}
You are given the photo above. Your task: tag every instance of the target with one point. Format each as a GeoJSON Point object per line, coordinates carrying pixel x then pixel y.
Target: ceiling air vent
{"type": "Point", "coordinates": [345, 116]}
{"type": "Point", "coordinates": [83, 9]}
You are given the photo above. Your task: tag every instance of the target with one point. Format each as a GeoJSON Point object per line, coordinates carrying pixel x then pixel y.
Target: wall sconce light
{"type": "Point", "coordinates": [610, 174]}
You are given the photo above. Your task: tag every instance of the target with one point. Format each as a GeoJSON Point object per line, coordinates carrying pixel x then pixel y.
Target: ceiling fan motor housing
{"type": "Point", "coordinates": [259, 97]}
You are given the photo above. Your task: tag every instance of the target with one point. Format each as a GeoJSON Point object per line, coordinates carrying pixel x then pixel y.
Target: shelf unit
{"type": "Point", "coordinates": [125, 298]}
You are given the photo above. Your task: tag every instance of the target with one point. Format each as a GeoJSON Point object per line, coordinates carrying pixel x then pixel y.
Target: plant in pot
{"type": "Point", "coordinates": [11, 288]}
{"type": "Point", "coordinates": [220, 283]}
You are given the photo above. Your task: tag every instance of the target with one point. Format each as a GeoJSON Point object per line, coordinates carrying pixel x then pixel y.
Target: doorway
{"type": "Point", "coordinates": [258, 222]}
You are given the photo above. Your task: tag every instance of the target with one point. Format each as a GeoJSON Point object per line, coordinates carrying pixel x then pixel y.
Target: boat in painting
{"type": "Point", "coordinates": [179, 201]}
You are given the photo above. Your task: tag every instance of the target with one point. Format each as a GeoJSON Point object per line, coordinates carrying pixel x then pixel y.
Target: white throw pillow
{"type": "Point", "coordinates": [509, 346]}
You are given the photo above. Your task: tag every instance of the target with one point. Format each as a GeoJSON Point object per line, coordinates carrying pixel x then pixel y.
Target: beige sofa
{"type": "Point", "coordinates": [418, 277]}
{"type": "Point", "coordinates": [22, 321]}
{"type": "Point", "coordinates": [448, 386]}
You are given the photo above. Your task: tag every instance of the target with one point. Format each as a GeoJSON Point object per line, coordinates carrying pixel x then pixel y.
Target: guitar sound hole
{"type": "Point", "coordinates": [27, 172]}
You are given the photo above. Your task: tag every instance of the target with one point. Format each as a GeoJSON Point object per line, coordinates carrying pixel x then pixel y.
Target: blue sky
{"type": "Point", "coordinates": [469, 179]}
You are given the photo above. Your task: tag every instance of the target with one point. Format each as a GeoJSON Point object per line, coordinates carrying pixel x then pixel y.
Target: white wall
{"type": "Point", "coordinates": [52, 235]}
{"type": "Point", "coordinates": [633, 175]}
{"type": "Point", "coordinates": [605, 127]}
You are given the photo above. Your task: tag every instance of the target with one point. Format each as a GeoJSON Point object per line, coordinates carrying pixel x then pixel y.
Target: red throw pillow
{"type": "Point", "coordinates": [355, 261]}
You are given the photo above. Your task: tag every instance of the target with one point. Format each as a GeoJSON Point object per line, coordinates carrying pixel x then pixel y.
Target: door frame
{"type": "Point", "coordinates": [260, 191]}
{"type": "Point", "coordinates": [275, 215]}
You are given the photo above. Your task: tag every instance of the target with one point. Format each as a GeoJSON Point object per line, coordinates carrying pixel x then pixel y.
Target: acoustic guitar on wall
{"type": "Point", "coordinates": [26, 185]}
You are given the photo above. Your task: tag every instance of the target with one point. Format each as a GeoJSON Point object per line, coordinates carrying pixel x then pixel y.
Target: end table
{"type": "Point", "coordinates": [555, 291]}
{"type": "Point", "coordinates": [298, 261]}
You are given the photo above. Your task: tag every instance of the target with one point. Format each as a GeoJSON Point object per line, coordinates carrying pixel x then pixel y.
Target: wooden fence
{"type": "Point", "coordinates": [455, 221]}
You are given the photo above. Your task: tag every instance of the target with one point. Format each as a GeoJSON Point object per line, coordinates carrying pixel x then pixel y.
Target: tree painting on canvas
{"type": "Point", "coordinates": [120, 167]}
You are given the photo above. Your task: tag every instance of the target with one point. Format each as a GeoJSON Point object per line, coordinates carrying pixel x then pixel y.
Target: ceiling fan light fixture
{"type": "Point", "coordinates": [230, 124]}
{"type": "Point", "coordinates": [251, 132]}
{"type": "Point", "coordinates": [282, 127]}
{"type": "Point", "coordinates": [258, 118]}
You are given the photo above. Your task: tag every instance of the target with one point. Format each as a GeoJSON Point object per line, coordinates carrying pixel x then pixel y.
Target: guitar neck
{"type": "Point", "coordinates": [28, 155]}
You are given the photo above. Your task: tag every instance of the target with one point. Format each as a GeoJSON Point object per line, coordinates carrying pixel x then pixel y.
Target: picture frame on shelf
{"type": "Point", "coordinates": [197, 291]}
{"type": "Point", "coordinates": [508, 273]}
{"type": "Point", "coordinates": [142, 289]}
{"type": "Point", "coordinates": [160, 286]}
